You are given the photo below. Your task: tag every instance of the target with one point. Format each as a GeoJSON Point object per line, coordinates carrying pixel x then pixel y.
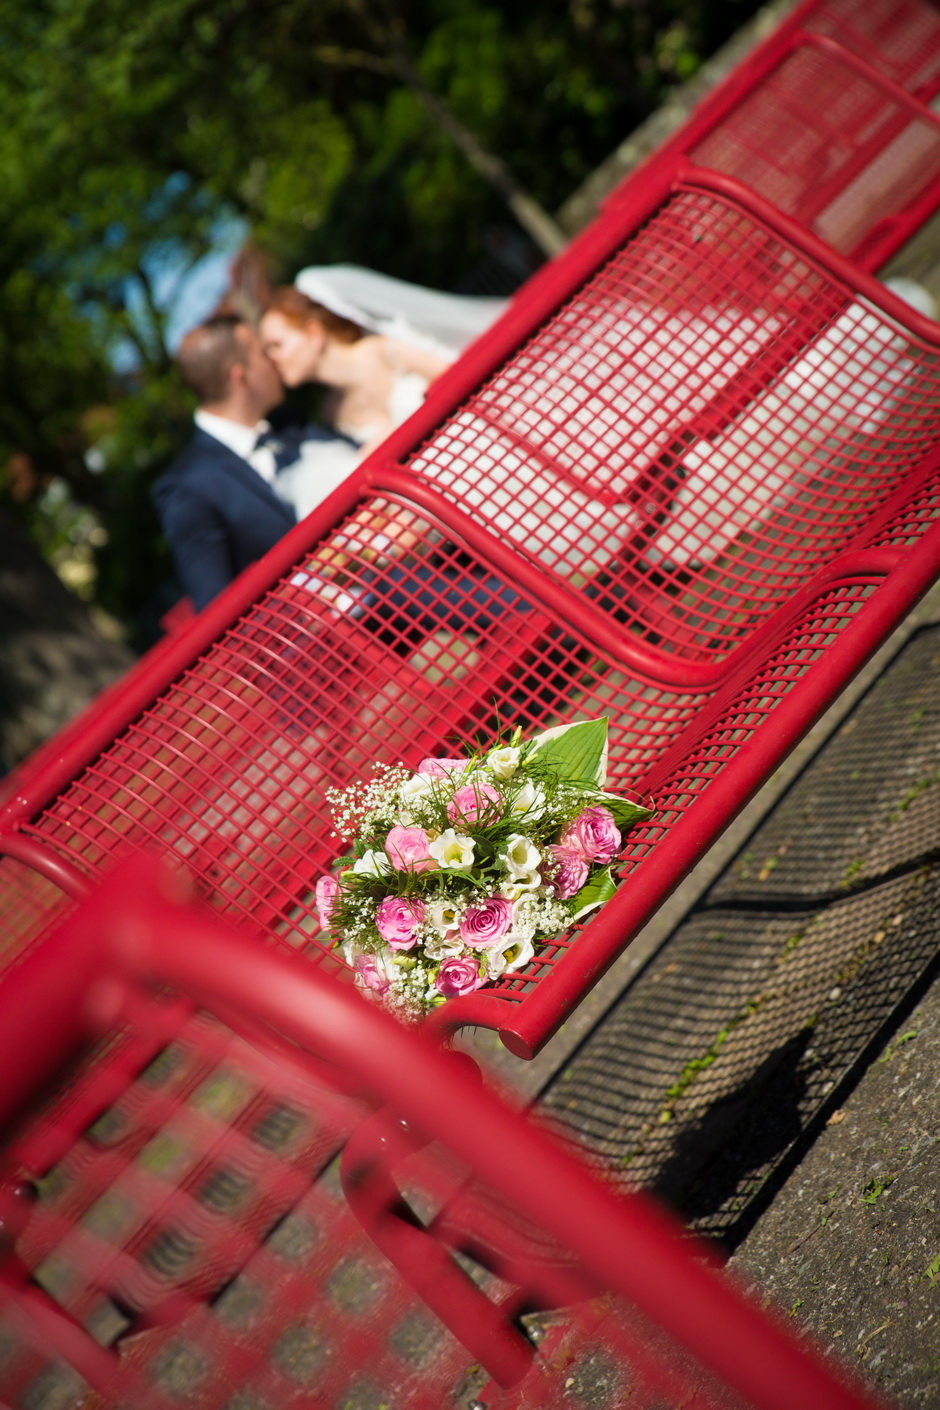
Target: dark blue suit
{"type": "Point", "coordinates": [218, 515]}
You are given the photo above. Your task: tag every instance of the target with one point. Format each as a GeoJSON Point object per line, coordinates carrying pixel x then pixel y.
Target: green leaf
{"type": "Point", "coordinates": [594, 893]}
{"type": "Point", "coordinates": [625, 813]}
{"type": "Point", "coordinates": [577, 752]}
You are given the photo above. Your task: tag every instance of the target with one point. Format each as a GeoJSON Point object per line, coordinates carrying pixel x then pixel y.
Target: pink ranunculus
{"type": "Point", "coordinates": [442, 768]}
{"type": "Point", "coordinates": [326, 892]}
{"type": "Point", "coordinates": [482, 926]}
{"type": "Point", "coordinates": [407, 849]}
{"type": "Point", "coordinates": [371, 975]}
{"type": "Point", "coordinates": [567, 871]}
{"type": "Point", "coordinates": [472, 802]}
{"type": "Point", "coordinates": [397, 920]}
{"type": "Point", "coordinates": [458, 976]}
{"type": "Point", "coordinates": [594, 834]}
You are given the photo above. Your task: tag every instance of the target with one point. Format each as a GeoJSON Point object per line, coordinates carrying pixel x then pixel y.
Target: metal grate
{"type": "Point", "coordinates": [694, 433]}
{"type": "Point", "coordinates": [899, 38]}
{"type": "Point", "coordinates": [827, 144]}
{"type": "Point", "coordinates": [229, 769]}
{"type": "Point", "coordinates": [727, 1047]}
{"type": "Point", "coordinates": [195, 1244]}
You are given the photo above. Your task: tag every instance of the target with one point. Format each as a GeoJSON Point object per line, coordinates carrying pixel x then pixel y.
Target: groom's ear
{"type": "Point", "coordinates": [237, 375]}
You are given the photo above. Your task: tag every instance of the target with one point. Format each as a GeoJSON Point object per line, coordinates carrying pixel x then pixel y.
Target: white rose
{"type": "Point", "coordinates": [511, 953]}
{"type": "Point", "coordinates": [372, 864]}
{"type": "Point", "coordinates": [451, 849]}
{"type": "Point", "coordinates": [520, 856]}
{"type": "Point", "coordinates": [503, 762]}
{"type": "Point", "coordinates": [529, 801]}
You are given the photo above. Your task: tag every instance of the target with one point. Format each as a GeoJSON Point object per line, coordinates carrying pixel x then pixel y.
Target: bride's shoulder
{"type": "Point", "coordinates": [405, 357]}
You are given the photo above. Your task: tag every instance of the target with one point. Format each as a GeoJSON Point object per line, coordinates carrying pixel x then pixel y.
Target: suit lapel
{"type": "Point", "coordinates": [247, 477]}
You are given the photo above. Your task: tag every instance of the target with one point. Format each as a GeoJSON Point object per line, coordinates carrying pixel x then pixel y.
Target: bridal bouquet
{"type": "Point", "coordinates": [461, 868]}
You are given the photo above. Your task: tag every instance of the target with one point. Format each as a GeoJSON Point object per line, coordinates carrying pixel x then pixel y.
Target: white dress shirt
{"type": "Point", "coordinates": [320, 467]}
{"type": "Point", "coordinates": [243, 440]}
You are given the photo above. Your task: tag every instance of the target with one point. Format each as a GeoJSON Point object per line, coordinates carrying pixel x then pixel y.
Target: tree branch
{"type": "Point", "coordinates": [533, 218]}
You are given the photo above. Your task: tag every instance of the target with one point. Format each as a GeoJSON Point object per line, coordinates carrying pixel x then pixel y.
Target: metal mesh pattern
{"type": "Point", "coordinates": [195, 1186]}
{"type": "Point", "coordinates": [828, 145]}
{"type": "Point", "coordinates": [900, 38]}
{"type": "Point", "coordinates": [868, 804]}
{"type": "Point", "coordinates": [204, 1198]}
{"type": "Point", "coordinates": [706, 424]}
{"type": "Point", "coordinates": [727, 1046]}
{"type": "Point", "coordinates": [701, 427]}
{"type": "Point", "coordinates": [725, 1050]}
{"type": "Point", "coordinates": [27, 903]}
{"type": "Point", "coordinates": [229, 769]}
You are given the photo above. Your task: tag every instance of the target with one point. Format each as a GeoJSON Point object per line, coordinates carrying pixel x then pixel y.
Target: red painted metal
{"type": "Point", "coordinates": [163, 1216]}
{"type": "Point", "coordinates": [829, 122]}
{"type": "Point", "coordinates": [700, 442]}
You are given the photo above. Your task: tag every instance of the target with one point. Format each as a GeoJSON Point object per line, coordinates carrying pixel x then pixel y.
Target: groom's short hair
{"type": "Point", "coordinates": [208, 353]}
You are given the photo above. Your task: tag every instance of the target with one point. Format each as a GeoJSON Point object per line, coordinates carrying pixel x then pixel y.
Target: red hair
{"type": "Point", "coordinates": [296, 308]}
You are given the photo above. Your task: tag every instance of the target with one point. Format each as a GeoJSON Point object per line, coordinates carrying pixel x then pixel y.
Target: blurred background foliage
{"type": "Point", "coordinates": [135, 140]}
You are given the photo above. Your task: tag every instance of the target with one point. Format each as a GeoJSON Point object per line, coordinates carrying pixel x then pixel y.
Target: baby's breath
{"type": "Point", "coordinates": [365, 806]}
{"type": "Point", "coordinates": [481, 859]}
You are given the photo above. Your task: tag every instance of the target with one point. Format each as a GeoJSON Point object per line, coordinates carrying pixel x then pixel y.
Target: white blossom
{"type": "Point", "coordinates": [525, 918]}
{"type": "Point", "coordinates": [529, 801]}
{"type": "Point", "coordinates": [444, 915]}
{"type": "Point", "coordinates": [503, 763]}
{"type": "Point", "coordinates": [443, 947]}
{"type": "Point", "coordinates": [452, 850]}
{"type": "Point", "coordinates": [511, 953]}
{"type": "Point", "coordinates": [520, 856]}
{"type": "Point", "coordinates": [512, 887]}
{"type": "Point", "coordinates": [372, 863]}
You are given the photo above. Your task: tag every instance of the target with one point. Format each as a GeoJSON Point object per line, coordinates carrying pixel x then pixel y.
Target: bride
{"type": "Point", "coordinates": [376, 342]}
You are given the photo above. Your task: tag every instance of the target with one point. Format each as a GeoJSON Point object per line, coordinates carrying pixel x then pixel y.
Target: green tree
{"type": "Point", "coordinates": [392, 133]}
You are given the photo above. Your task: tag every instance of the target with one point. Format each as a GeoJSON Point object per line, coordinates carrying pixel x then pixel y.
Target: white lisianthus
{"type": "Point", "coordinates": [512, 952]}
{"type": "Point", "coordinates": [452, 849]}
{"type": "Point", "coordinates": [512, 887]}
{"type": "Point", "coordinates": [372, 863]}
{"type": "Point", "coordinates": [520, 856]}
{"type": "Point", "coordinates": [529, 801]}
{"type": "Point", "coordinates": [443, 915]}
{"type": "Point", "coordinates": [503, 763]}
{"type": "Point", "coordinates": [442, 947]}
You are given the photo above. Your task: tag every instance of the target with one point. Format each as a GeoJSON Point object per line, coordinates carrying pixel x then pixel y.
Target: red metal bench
{"type": "Point", "coordinates": [174, 1234]}
{"type": "Point", "coordinates": [702, 446]}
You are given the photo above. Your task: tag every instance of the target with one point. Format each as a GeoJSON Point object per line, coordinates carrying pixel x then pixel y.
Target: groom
{"type": "Point", "coordinates": [218, 502]}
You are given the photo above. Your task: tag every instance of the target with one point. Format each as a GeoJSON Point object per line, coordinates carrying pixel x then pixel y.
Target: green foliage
{"type": "Point", "coordinates": [131, 134]}
{"type": "Point", "coordinates": [577, 753]}
{"type": "Point", "coordinates": [599, 889]}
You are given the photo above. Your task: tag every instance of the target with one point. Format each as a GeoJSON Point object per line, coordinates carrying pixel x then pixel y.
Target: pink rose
{"type": "Point", "coordinates": [482, 926]}
{"type": "Point", "coordinates": [326, 892]}
{"type": "Point", "coordinates": [371, 975]}
{"type": "Point", "coordinates": [472, 802]}
{"type": "Point", "coordinates": [593, 834]}
{"type": "Point", "coordinates": [407, 849]}
{"type": "Point", "coordinates": [397, 921]}
{"type": "Point", "coordinates": [442, 768]}
{"type": "Point", "coordinates": [567, 871]}
{"type": "Point", "coordinates": [457, 976]}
